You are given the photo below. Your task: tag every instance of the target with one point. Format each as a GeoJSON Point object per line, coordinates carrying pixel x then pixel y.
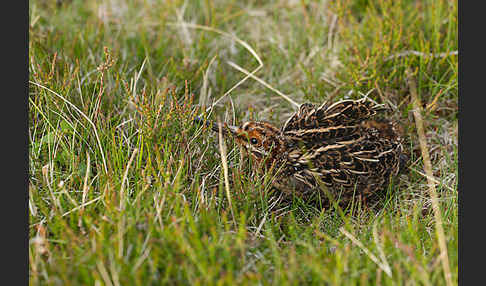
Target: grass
{"type": "Point", "coordinates": [125, 190]}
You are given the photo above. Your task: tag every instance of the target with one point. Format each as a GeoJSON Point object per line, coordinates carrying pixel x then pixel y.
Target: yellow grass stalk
{"type": "Point", "coordinates": [224, 162]}
{"type": "Point", "coordinates": [430, 181]}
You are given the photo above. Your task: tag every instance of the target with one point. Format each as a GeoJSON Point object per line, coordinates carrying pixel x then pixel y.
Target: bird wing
{"type": "Point", "coordinates": [364, 162]}
{"type": "Point", "coordinates": [341, 113]}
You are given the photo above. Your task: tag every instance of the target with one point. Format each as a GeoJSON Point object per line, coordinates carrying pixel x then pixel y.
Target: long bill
{"type": "Point", "coordinates": [226, 129]}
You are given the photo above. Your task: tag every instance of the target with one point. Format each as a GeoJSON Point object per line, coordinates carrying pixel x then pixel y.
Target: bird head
{"type": "Point", "coordinates": [259, 139]}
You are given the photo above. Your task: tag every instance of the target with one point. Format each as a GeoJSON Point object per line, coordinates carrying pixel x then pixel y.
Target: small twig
{"type": "Point", "coordinates": [295, 104]}
{"type": "Point", "coordinates": [125, 175]}
{"type": "Point", "coordinates": [428, 171]}
{"type": "Point", "coordinates": [433, 179]}
{"type": "Point", "coordinates": [261, 224]}
{"type": "Point", "coordinates": [433, 105]}
{"type": "Point", "coordinates": [82, 206]}
{"type": "Point", "coordinates": [383, 266]}
{"type": "Point", "coordinates": [185, 25]}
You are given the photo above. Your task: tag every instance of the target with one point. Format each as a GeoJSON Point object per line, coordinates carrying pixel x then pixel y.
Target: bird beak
{"type": "Point", "coordinates": [226, 129]}
{"type": "Point", "coordinates": [233, 130]}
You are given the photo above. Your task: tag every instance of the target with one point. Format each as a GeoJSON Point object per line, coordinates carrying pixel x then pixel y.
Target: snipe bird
{"type": "Point", "coordinates": [336, 149]}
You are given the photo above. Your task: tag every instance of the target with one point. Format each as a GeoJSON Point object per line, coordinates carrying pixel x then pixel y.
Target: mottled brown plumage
{"type": "Point", "coordinates": [336, 149]}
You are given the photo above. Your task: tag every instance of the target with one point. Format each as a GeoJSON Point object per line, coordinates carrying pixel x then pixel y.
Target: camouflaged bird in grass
{"type": "Point", "coordinates": [335, 149]}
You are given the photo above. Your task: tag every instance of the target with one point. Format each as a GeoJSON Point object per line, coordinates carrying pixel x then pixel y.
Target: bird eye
{"type": "Point", "coordinates": [253, 141]}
